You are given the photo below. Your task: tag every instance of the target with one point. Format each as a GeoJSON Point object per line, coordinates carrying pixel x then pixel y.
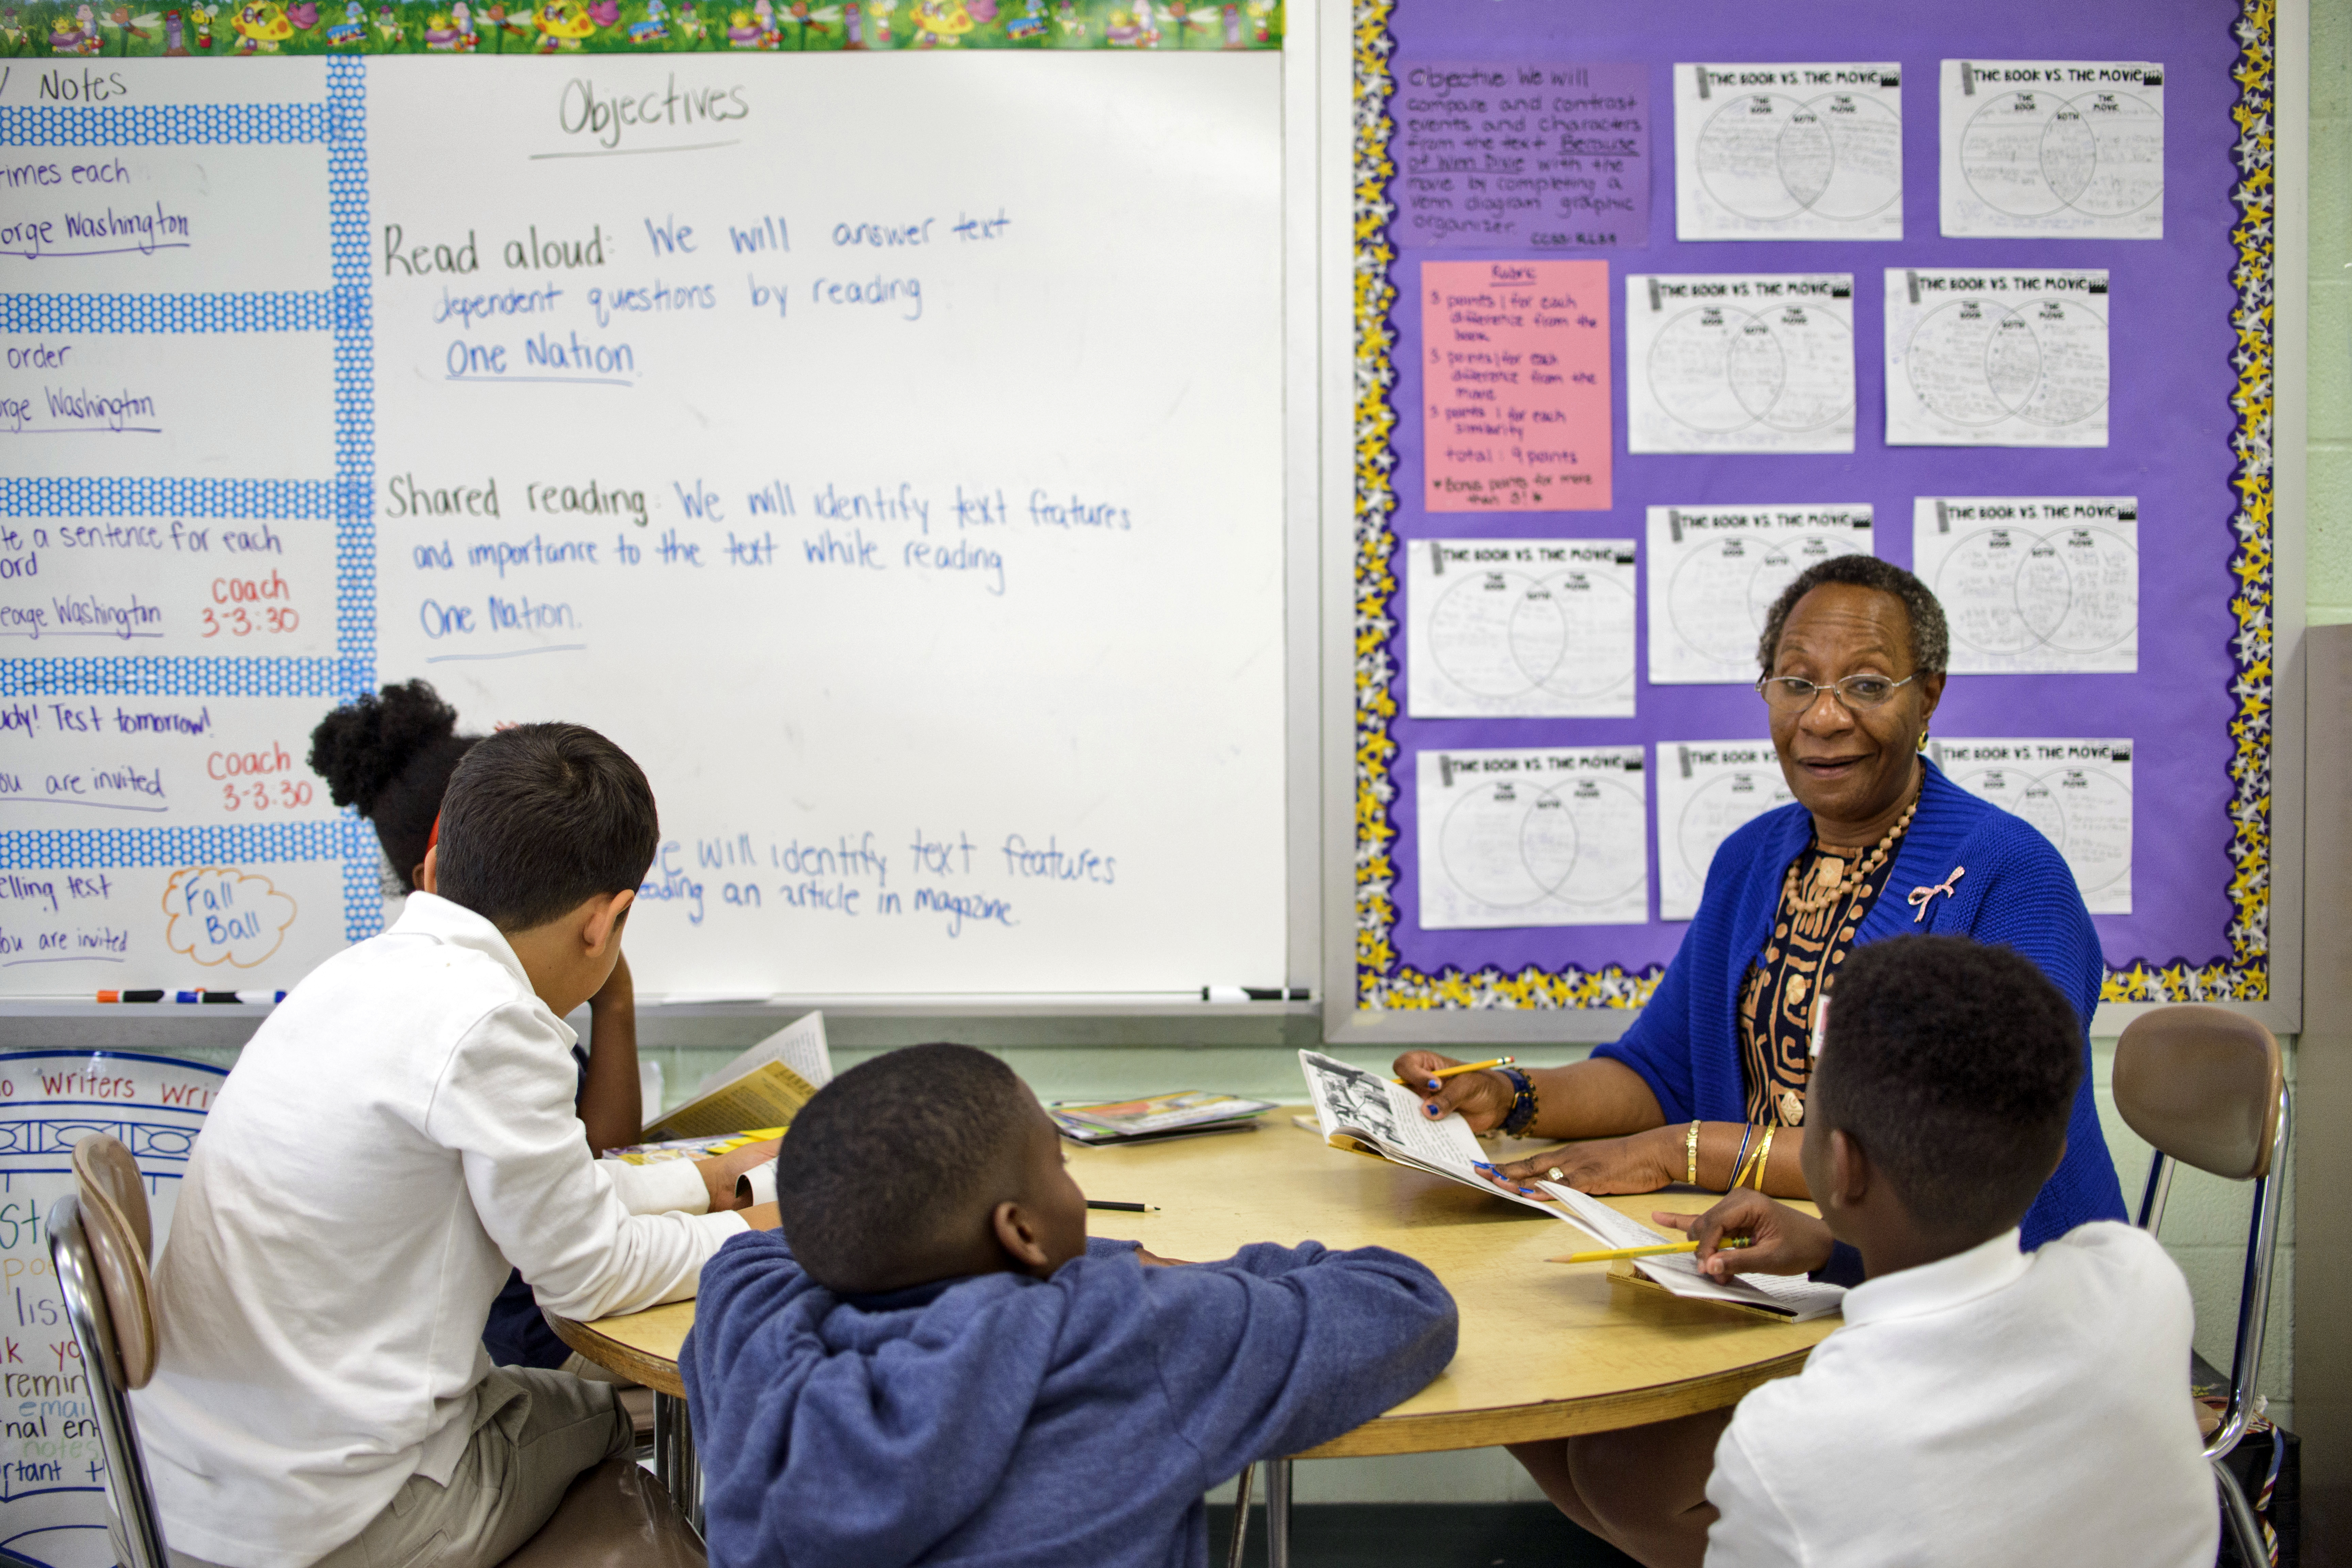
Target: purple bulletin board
{"type": "Point", "coordinates": [2190, 436]}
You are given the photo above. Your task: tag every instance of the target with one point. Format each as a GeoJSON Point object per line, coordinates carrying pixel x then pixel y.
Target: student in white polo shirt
{"type": "Point", "coordinates": [399, 1134]}
{"type": "Point", "coordinates": [1981, 1405]}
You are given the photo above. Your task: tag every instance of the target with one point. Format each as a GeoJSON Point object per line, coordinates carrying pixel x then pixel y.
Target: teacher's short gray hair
{"type": "Point", "coordinates": [1931, 639]}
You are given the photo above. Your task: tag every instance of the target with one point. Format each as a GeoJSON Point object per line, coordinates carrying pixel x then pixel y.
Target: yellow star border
{"type": "Point", "coordinates": [1384, 981]}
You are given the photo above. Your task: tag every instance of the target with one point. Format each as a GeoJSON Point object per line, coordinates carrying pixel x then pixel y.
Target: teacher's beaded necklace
{"type": "Point", "coordinates": [1829, 886]}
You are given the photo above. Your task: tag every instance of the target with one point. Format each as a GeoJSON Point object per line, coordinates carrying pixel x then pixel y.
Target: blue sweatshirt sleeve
{"type": "Point", "coordinates": [1278, 1348]}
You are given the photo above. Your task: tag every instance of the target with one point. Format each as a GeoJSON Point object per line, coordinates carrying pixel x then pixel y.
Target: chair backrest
{"type": "Point", "coordinates": [2203, 1084]}
{"type": "Point", "coordinates": [76, 1237]}
{"type": "Point", "coordinates": [113, 1203]}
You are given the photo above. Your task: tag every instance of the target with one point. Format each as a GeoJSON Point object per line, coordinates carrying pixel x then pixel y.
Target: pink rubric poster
{"type": "Point", "coordinates": [1517, 386]}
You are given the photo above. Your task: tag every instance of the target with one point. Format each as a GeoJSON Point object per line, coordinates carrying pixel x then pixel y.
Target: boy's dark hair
{"type": "Point", "coordinates": [881, 1172]}
{"type": "Point", "coordinates": [390, 756]}
{"type": "Point", "coordinates": [1954, 1065]}
{"type": "Point", "coordinates": [1931, 638]}
{"type": "Point", "coordinates": [539, 819]}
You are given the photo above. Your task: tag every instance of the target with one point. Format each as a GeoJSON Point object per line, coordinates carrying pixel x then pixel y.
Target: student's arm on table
{"type": "Point", "coordinates": [1277, 1348]}
{"type": "Point", "coordinates": [611, 1103]}
{"type": "Point", "coordinates": [556, 1212]}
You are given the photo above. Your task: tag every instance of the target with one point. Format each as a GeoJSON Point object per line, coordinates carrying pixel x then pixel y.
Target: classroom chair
{"type": "Point", "coordinates": [613, 1516]}
{"type": "Point", "coordinates": [2206, 1087]}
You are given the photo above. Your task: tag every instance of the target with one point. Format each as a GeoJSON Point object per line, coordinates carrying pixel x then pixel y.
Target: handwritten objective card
{"type": "Point", "coordinates": [1519, 628]}
{"type": "Point", "coordinates": [2033, 584]}
{"type": "Point", "coordinates": [1707, 790]}
{"type": "Point", "coordinates": [1741, 362]}
{"type": "Point", "coordinates": [1996, 357]}
{"type": "Point", "coordinates": [2078, 793]}
{"type": "Point", "coordinates": [1517, 386]}
{"type": "Point", "coordinates": [1550, 837]}
{"type": "Point", "coordinates": [1715, 572]}
{"type": "Point", "coordinates": [1787, 152]}
{"type": "Point", "coordinates": [1536, 157]}
{"type": "Point", "coordinates": [2051, 147]}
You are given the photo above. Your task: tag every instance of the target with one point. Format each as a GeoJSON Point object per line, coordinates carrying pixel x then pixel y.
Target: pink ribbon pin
{"type": "Point", "coordinates": [1922, 897]}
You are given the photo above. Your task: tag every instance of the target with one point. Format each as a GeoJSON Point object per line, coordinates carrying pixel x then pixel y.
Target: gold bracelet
{"type": "Point", "coordinates": [1690, 1150]}
{"type": "Point", "coordinates": [1764, 1156]}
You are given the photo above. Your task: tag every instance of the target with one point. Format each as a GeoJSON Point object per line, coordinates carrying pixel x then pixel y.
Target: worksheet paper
{"type": "Point", "coordinates": [1787, 152]}
{"type": "Point", "coordinates": [1521, 156]}
{"type": "Point", "coordinates": [2070, 148]}
{"type": "Point", "coordinates": [1715, 572]}
{"type": "Point", "coordinates": [2078, 793]}
{"type": "Point", "coordinates": [2033, 584]}
{"type": "Point", "coordinates": [1739, 362]}
{"type": "Point", "coordinates": [1707, 790]}
{"type": "Point", "coordinates": [1519, 628]}
{"type": "Point", "coordinates": [1532, 837]}
{"type": "Point", "coordinates": [1995, 357]}
{"type": "Point", "coordinates": [1516, 386]}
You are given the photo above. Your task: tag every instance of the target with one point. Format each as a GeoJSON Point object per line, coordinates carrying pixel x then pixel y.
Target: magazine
{"type": "Point", "coordinates": [764, 1086]}
{"type": "Point", "coordinates": [1792, 1296]}
{"type": "Point", "coordinates": [1189, 1113]}
{"type": "Point", "coordinates": [1373, 1115]}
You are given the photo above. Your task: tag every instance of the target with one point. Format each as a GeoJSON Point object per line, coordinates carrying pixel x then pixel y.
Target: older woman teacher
{"type": "Point", "coordinates": [1707, 1087]}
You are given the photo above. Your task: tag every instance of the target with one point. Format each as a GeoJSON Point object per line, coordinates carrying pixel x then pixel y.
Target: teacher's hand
{"type": "Point", "coordinates": [1641, 1162]}
{"type": "Point", "coordinates": [1484, 1099]}
{"type": "Point", "coordinates": [1781, 1239]}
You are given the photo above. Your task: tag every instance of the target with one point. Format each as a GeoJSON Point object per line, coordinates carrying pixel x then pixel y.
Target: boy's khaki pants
{"type": "Point", "coordinates": [534, 1432]}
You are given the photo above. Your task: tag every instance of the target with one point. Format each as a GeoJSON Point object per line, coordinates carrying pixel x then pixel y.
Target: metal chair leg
{"type": "Point", "coordinates": [1241, 1517]}
{"type": "Point", "coordinates": [689, 1470]}
{"type": "Point", "coordinates": [1278, 1513]}
{"type": "Point", "coordinates": [2252, 1550]}
{"type": "Point", "coordinates": [665, 1418]}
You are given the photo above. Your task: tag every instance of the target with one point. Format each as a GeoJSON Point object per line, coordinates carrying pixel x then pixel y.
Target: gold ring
{"type": "Point", "coordinates": [1556, 1174]}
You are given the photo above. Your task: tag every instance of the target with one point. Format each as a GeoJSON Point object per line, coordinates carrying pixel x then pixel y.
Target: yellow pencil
{"type": "Point", "coordinates": [1663, 1246]}
{"type": "Point", "coordinates": [1457, 1070]}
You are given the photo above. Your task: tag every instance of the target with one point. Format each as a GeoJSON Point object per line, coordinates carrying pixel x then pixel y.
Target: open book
{"type": "Point", "coordinates": [1782, 1295]}
{"type": "Point", "coordinates": [765, 1087]}
{"type": "Point", "coordinates": [1366, 1113]}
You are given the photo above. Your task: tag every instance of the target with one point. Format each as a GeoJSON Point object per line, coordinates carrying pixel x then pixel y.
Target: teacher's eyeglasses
{"type": "Point", "coordinates": [1793, 694]}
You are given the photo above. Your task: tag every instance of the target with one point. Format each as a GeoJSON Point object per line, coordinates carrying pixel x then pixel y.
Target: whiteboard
{"type": "Point", "coordinates": [888, 452]}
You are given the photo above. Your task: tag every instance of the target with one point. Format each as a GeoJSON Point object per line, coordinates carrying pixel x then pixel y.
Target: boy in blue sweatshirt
{"type": "Point", "coordinates": [931, 1363]}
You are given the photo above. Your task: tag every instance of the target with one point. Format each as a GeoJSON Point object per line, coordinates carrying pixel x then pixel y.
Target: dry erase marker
{"type": "Point", "coordinates": [1254, 994]}
{"type": "Point", "coordinates": [1123, 1208]}
{"type": "Point", "coordinates": [251, 998]}
{"type": "Point", "coordinates": [130, 995]}
{"type": "Point", "coordinates": [1460, 1067]}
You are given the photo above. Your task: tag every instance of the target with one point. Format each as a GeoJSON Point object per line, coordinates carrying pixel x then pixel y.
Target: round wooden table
{"type": "Point", "coordinates": [1547, 1349]}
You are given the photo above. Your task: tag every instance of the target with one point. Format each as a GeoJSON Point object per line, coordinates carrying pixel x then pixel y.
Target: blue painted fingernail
{"type": "Point", "coordinates": [1480, 1166]}
{"type": "Point", "coordinates": [1435, 1084]}
{"type": "Point", "coordinates": [1427, 1109]}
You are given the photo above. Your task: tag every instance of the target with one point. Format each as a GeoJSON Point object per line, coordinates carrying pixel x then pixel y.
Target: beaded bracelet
{"type": "Point", "coordinates": [1523, 1102]}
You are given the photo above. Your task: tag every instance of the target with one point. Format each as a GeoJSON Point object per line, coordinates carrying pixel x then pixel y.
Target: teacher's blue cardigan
{"type": "Point", "coordinates": [2015, 891]}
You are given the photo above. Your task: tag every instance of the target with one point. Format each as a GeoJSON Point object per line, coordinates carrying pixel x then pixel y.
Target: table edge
{"type": "Point", "coordinates": [1429, 1434]}
{"type": "Point", "coordinates": [654, 1372]}
{"type": "Point", "coordinates": [1490, 1427]}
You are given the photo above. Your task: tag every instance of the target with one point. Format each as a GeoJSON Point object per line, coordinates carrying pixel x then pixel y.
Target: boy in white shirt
{"type": "Point", "coordinates": [1980, 1405]}
{"type": "Point", "coordinates": [398, 1134]}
